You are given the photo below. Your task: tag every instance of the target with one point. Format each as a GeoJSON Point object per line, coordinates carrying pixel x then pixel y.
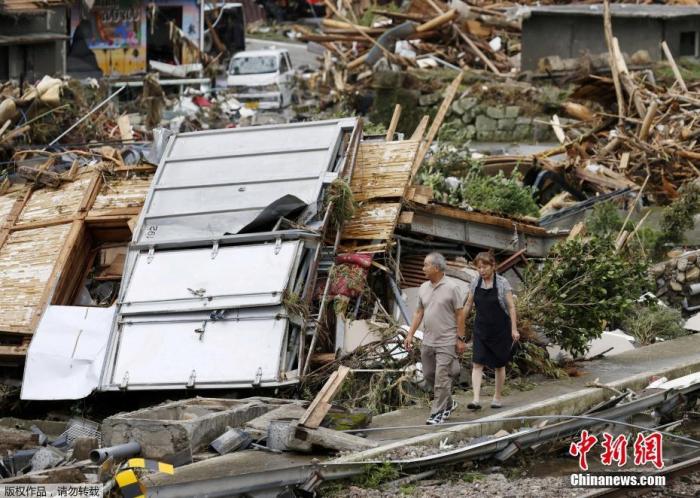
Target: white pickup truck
{"type": "Point", "coordinates": [262, 78]}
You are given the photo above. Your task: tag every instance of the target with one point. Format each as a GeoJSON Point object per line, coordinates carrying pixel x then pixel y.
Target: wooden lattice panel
{"type": "Point", "coordinates": [383, 169]}
{"type": "Point", "coordinates": [48, 204]}
{"type": "Point", "coordinates": [372, 221]}
{"type": "Point", "coordinates": [26, 261]}
{"type": "Point", "coordinates": [118, 194]}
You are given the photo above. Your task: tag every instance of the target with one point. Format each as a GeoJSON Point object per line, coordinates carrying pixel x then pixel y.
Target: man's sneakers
{"type": "Point", "coordinates": [442, 416]}
{"type": "Point", "coordinates": [436, 418]}
{"type": "Point", "coordinates": [448, 411]}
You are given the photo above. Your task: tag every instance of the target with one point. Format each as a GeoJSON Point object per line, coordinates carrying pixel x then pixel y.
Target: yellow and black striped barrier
{"type": "Point", "coordinates": [129, 484]}
{"type": "Point", "coordinates": [152, 465]}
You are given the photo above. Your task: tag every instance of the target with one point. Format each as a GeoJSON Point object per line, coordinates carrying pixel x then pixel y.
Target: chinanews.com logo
{"type": "Point", "coordinates": [647, 450]}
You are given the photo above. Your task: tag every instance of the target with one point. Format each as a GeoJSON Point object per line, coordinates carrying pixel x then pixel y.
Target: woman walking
{"type": "Point", "coordinates": [495, 326]}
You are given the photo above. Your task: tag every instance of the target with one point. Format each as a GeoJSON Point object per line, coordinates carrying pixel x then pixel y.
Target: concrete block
{"type": "Point", "coordinates": [468, 104]}
{"type": "Point", "coordinates": [502, 136]}
{"type": "Point", "coordinates": [512, 111]}
{"type": "Point", "coordinates": [333, 440]}
{"type": "Point", "coordinates": [429, 99]}
{"type": "Point", "coordinates": [485, 124]}
{"type": "Point", "coordinates": [174, 430]}
{"type": "Point", "coordinates": [470, 132]}
{"type": "Point", "coordinates": [496, 112]}
{"type": "Point", "coordinates": [485, 136]}
{"type": "Point", "coordinates": [522, 132]}
{"type": "Point", "coordinates": [506, 124]}
{"type": "Point", "coordinates": [387, 79]}
{"type": "Point", "coordinates": [456, 108]}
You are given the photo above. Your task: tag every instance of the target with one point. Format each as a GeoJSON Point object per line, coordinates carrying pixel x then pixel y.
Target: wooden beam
{"type": "Point", "coordinates": [607, 25]}
{"type": "Point", "coordinates": [420, 129]}
{"type": "Point", "coordinates": [648, 118]}
{"type": "Point", "coordinates": [674, 67]}
{"type": "Point", "coordinates": [394, 123]}
{"type": "Point", "coordinates": [437, 122]}
{"type": "Point", "coordinates": [438, 21]}
{"type": "Point", "coordinates": [319, 407]}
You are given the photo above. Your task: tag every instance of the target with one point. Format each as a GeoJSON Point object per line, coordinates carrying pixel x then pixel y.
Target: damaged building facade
{"type": "Point", "coordinates": [32, 39]}
{"type": "Point", "coordinates": [578, 30]}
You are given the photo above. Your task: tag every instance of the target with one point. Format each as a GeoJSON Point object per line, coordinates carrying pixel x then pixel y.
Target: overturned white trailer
{"type": "Point", "coordinates": [212, 257]}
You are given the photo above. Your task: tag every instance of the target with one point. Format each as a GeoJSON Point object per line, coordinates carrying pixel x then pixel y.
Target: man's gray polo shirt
{"type": "Point", "coordinates": [440, 303]}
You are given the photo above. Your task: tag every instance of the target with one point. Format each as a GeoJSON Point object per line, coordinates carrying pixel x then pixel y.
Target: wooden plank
{"type": "Point", "coordinates": [437, 122]}
{"type": "Point", "coordinates": [91, 192]}
{"type": "Point", "coordinates": [486, 219]}
{"type": "Point", "coordinates": [674, 67]}
{"type": "Point", "coordinates": [394, 123]}
{"type": "Point", "coordinates": [406, 217]}
{"type": "Point", "coordinates": [319, 407]}
{"type": "Point", "coordinates": [420, 129]}
{"type": "Point", "coordinates": [607, 25]}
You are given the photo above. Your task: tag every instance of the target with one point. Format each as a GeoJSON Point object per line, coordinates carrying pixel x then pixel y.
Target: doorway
{"type": "Point", "coordinates": [159, 47]}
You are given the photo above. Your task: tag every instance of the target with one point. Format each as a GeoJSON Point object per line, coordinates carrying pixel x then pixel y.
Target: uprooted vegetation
{"type": "Point", "coordinates": [650, 321]}
{"type": "Point", "coordinates": [581, 287]}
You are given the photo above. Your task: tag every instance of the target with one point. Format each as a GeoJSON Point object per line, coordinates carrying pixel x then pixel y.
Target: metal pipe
{"type": "Point", "coordinates": [85, 117]}
{"type": "Point", "coordinates": [400, 301]}
{"type": "Point", "coordinates": [119, 451]}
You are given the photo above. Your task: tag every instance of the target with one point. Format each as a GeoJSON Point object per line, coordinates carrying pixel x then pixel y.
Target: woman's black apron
{"type": "Point", "coordinates": [492, 339]}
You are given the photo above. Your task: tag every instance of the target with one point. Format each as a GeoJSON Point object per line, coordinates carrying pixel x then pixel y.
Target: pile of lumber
{"type": "Point", "coordinates": [647, 136]}
{"type": "Point", "coordinates": [466, 36]}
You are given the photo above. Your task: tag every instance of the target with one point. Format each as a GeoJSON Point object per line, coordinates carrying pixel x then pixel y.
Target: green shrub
{"type": "Point", "coordinates": [649, 321]}
{"type": "Point", "coordinates": [581, 286]}
{"type": "Point", "coordinates": [677, 217]}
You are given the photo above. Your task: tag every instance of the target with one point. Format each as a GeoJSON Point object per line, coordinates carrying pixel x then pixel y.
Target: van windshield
{"type": "Point", "coordinates": [253, 65]}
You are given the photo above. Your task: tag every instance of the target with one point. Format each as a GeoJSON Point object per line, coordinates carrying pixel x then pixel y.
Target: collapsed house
{"type": "Point", "coordinates": [235, 254]}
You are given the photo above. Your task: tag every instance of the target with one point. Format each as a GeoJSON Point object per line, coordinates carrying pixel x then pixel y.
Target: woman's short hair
{"type": "Point", "coordinates": [486, 258]}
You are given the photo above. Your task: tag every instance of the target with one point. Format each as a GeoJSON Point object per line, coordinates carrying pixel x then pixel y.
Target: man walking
{"type": "Point", "coordinates": [441, 309]}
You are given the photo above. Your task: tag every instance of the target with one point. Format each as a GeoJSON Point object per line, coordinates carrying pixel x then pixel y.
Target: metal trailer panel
{"type": "Point", "coordinates": [210, 278]}
{"type": "Point", "coordinates": [214, 183]}
{"type": "Point", "coordinates": [169, 352]}
{"type": "Point", "coordinates": [67, 353]}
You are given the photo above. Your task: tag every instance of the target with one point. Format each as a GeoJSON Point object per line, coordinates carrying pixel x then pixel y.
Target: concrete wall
{"type": "Point", "coordinates": [674, 28]}
{"type": "Point", "coordinates": [34, 59]}
{"type": "Point", "coordinates": [571, 36]}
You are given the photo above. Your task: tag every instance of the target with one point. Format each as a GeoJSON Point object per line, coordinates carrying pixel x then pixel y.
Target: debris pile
{"type": "Point", "coordinates": [427, 34]}
{"type": "Point", "coordinates": [646, 138]}
{"type": "Point", "coordinates": [678, 280]}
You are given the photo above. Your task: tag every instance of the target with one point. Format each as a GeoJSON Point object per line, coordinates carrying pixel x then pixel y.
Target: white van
{"type": "Point", "coordinates": [262, 78]}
